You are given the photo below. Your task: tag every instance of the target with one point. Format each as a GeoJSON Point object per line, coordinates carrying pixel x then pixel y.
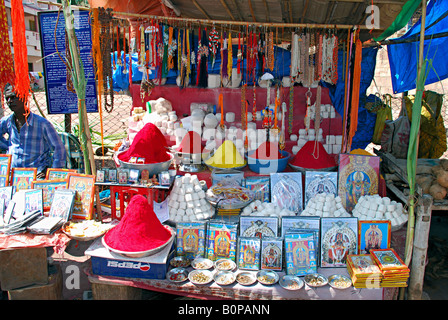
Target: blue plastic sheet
{"type": "Point", "coordinates": [403, 57]}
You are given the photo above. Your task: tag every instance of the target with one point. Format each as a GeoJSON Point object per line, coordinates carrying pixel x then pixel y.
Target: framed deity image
{"type": "Point", "coordinates": [320, 182]}
{"type": "Point", "coordinates": [248, 253]}
{"type": "Point", "coordinates": [84, 185]}
{"type": "Point", "coordinates": [271, 254]}
{"type": "Point", "coordinates": [286, 191]}
{"type": "Point", "coordinates": [48, 189]}
{"type": "Point", "coordinates": [258, 227]}
{"type": "Point", "coordinates": [358, 175]}
{"type": "Point", "coordinates": [261, 186]}
{"type": "Point", "coordinates": [388, 259]}
{"type": "Point", "coordinates": [100, 176]}
{"type": "Point", "coordinates": [58, 173]}
{"type": "Point", "coordinates": [123, 176]}
{"type": "Point", "coordinates": [6, 194]}
{"type": "Point", "coordinates": [5, 168]}
{"type": "Point", "coordinates": [112, 175]}
{"type": "Point", "coordinates": [339, 238]}
{"type": "Point", "coordinates": [62, 204]}
{"type": "Point", "coordinates": [373, 235]}
{"type": "Point", "coordinates": [190, 239]}
{"type": "Point", "coordinates": [22, 178]}
{"type": "Point", "coordinates": [221, 240]}
{"type": "Point", "coordinates": [300, 253]}
{"type": "Point", "coordinates": [34, 201]}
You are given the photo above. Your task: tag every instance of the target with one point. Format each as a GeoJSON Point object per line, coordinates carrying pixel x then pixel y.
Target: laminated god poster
{"type": "Point", "coordinates": [358, 176]}
{"type": "Point", "coordinates": [320, 182]}
{"type": "Point", "coordinates": [271, 254]}
{"type": "Point", "coordinates": [300, 250]}
{"type": "Point", "coordinates": [286, 190]}
{"type": "Point", "coordinates": [221, 241]}
{"type": "Point", "coordinates": [190, 239]}
{"type": "Point", "coordinates": [339, 238]}
{"type": "Point", "coordinates": [249, 253]}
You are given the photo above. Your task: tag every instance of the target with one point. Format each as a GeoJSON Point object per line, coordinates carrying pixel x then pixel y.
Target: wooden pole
{"type": "Point", "coordinates": [420, 250]}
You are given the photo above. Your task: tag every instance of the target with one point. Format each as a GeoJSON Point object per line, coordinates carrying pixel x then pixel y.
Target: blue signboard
{"type": "Point", "coordinates": [60, 100]}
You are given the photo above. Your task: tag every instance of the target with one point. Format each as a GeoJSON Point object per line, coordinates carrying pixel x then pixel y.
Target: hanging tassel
{"type": "Point", "coordinates": [229, 57]}
{"type": "Point", "coordinates": [355, 91]}
{"type": "Point", "coordinates": [130, 58]}
{"type": "Point", "coordinates": [6, 67]}
{"type": "Point", "coordinates": [239, 55]}
{"type": "Point", "coordinates": [203, 72]}
{"type": "Point", "coordinates": [22, 78]}
{"type": "Point", "coordinates": [224, 58]}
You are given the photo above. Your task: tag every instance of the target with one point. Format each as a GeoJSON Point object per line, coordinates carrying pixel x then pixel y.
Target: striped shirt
{"type": "Point", "coordinates": [32, 147]}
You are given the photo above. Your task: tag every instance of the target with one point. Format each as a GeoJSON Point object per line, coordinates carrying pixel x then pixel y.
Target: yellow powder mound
{"type": "Point", "coordinates": [226, 156]}
{"type": "Point", "coordinates": [361, 152]}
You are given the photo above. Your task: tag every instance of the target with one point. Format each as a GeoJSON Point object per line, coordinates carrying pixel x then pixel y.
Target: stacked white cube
{"type": "Point", "coordinates": [325, 205]}
{"type": "Point", "coordinates": [326, 111]}
{"type": "Point", "coordinates": [265, 209]}
{"type": "Point", "coordinates": [333, 144]}
{"type": "Point", "coordinates": [375, 207]}
{"type": "Point", "coordinates": [187, 202]}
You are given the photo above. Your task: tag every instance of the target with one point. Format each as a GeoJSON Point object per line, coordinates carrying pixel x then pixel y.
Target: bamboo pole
{"type": "Point", "coordinates": [79, 83]}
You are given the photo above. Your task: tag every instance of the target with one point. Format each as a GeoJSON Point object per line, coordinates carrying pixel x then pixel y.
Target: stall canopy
{"type": "Point", "coordinates": [403, 51]}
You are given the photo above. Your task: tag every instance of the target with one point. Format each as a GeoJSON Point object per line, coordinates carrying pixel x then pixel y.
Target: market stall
{"type": "Point", "coordinates": [243, 149]}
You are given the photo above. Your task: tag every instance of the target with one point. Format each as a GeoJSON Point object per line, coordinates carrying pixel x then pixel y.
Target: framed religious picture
{"type": "Point", "coordinates": [9, 212]}
{"type": "Point", "coordinates": [373, 235]}
{"type": "Point", "coordinates": [358, 176]}
{"type": "Point", "coordinates": [271, 254]}
{"type": "Point", "coordinates": [123, 176]}
{"type": "Point", "coordinates": [84, 185]}
{"type": "Point", "coordinates": [5, 168]}
{"type": "Point", "coordinates": [62, 204]}
{"type": "Point", "coordinates": [2, 208]}
{"type": "Point", "coordinates": [320, 182]}
{"type": "Point", "coordinates": [112, 175]}
{"type": "Point", "coordinates": [100, 176]}
{"type": "Point", "coordinates": [190, 239]}
{"type": "Point", "coordinates": [258, 226]}
{"type": "Point", "coordinates": [221, 240]}
{"type": "Point", "coordinates": [6, 194]}
{"type": "Point", "coordinates": [34, 201]}
{"type": "Point", "coordinates": [21, 178]}
{"type": "Point", "coordinates": [58, 173]}
{"type": "Point", "coordinates": [339, 238]}
{"type": "Point", "coordinates": [48, 189]}
{"type": "Point", "coordinates": [134, 174]}
{"type": "Point", "coordinates": [249, 253]}
{"type": "Point", "coordinates": [260, 185]}
{"type": "Point", "coordinates": [286, 191]}
{"type": "Point", "coordinates": [300, 253]}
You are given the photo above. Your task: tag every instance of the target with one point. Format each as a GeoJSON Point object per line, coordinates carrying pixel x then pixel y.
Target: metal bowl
{"type": "Point", "coordinates": [246, 278]}
{"type": "Point", "coordinates": [267, 277]}
{"type": "Point", "coordinates": [225, 264]}
{"type": "Point", "coordinates": [153, 168]}
{"type": "Point", "coordinates": [224, 278]}
{"type": "Point", "coordinates": [202, 263]}
{"type": "Point", "coordinates": [200, 276]}
{"type": "Point", "coordinates": [290, 282]}
{"type": "Point", "coordinates": [315, 280]}
{"type": "Point", "coordinates": [339, 281]}
{"type": "Point", "coordinates": [180, 262]}
{"type": "Point", "coordinates": [141, 254]}
{"type": "Point", "coordinates": [177, 275]}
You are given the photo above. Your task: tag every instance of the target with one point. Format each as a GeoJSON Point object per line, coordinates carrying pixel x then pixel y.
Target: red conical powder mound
{"type": "Point", "coordinates": [268, 151]}
{"type": "Point", "coordinates": [149, 143]}
{"type": "Point", "coordinates": [139, 229]}
{"type": "Point", "coordinates": [191, 143]}
{"type": "Point", "coordinates": [313, 156]}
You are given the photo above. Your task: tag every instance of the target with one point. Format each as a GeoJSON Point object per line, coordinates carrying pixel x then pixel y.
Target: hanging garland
{"type": "Point", "coordinates": [213, 40]}
{"type": "Point", "coordinates": [105, 20]}
{"type": "Point", "coordinates": [22, 79]}
{"type": "Point", "coordinates": [6, 67]}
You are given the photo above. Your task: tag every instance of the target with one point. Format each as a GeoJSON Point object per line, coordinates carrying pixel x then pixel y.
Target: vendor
{"type": "Point", "coordinates": [31, 139]}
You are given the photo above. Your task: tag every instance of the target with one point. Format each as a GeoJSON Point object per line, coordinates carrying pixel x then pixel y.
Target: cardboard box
{"type": "Point", "coordinates": [107, 263]}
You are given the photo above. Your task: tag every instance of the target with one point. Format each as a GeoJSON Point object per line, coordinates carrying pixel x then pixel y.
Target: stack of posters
{"type": "Point", "coordinates": [364, 271]}
{"type": "Point", "coordinates": [300, 253]}
{"type": "Point", "coordinates": [394, 270]}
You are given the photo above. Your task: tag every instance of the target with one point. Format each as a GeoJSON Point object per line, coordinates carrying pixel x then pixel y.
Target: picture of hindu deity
{"type": "Point", "coordinates": [258, 227]}
{"type": "Point", "coordinates": [358, 176]}
{"type": "Point", "coordinates": [374, 235]}
{"type": "Point", "coordinates": [320, 182]}
{"type": "Point", "coordinates": [221, 241]}
{"type": "Point", "coordinates": [249, 253]}
{"type": "Point", "coordinates": [190, 239]}
{"type": "Point", "coordinates": [300, 254]}
{"type": "Point", "coordinates": [339, 239]}
{"type": "Point", "coordinates": [286, 191]}
{"type": "Point", "coordinates": [271, 254]}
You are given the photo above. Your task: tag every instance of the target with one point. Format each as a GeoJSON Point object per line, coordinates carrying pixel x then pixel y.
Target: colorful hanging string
{"type": "Point", "coordinates": [22, 78]}
{"type": "Point", "coordinates": [130, 56]}
{"type": "Point", "coordinates": [6, 66]}
{"type": "Point", "coordinates": [355, 90]}
{"type": "Point", "coordinates": [213, 40]}
{"type": "Point", "coordinates": [229, 57]}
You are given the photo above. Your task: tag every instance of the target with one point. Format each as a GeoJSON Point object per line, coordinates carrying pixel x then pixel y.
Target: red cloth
{"type": "Point", "coordinates": [138, 230]}
{"type": "Point", "coordinates": [149, 143]}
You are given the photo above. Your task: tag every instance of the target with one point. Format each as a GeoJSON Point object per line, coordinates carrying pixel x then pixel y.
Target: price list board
{"type": "Point", "coordinates": [60, 100]}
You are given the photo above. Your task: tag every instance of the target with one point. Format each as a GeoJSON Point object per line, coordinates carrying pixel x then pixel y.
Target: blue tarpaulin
{"type": "Point", "coordinates": [403, 57]}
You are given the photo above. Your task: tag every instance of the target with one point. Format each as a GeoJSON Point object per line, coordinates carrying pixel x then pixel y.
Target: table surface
{"type": "Point", "coordinates": [257, 291]}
